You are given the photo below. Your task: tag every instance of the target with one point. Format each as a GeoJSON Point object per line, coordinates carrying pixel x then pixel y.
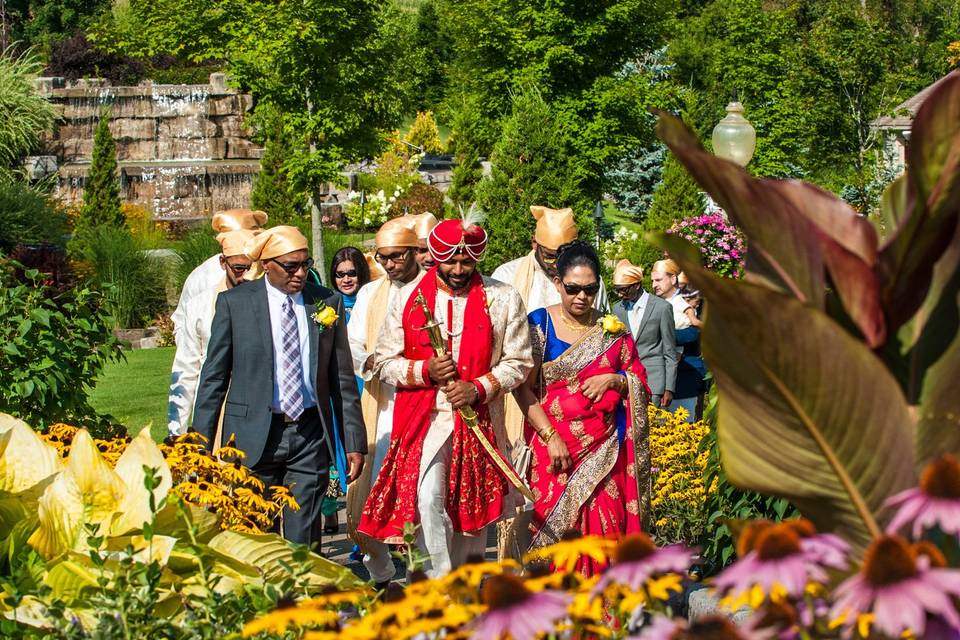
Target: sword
{"type": "Point", "coordinates": [470, 417]}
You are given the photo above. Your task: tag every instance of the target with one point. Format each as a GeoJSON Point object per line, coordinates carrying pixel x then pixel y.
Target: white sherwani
{"type": "Point", "coordinates": [208, 274]}
{"type": "Point", "coordinates": [376, 558]}
{"type": "Point", "coordinates": [192, 340]}
{"type": "Point", "coordinates": [511, 361]}
{"type": "Point", "coordinates": [542, 291]}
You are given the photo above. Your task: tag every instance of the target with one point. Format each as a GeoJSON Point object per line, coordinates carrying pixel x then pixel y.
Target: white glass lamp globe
{"type": "Point", "coordinates": [734, 138]}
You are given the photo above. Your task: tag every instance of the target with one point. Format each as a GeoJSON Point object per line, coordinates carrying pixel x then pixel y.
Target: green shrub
{"type": "Point", "coordinates": [101, 195]}
{"type": "Point", "coordinates": [133, 282]}
{"type": "Point", "coordinates": [54, 347]}
{"type": "Point", "coordinates": [197, 245]}
{"type": "Point", "coordinates": [28, 217]}
{"type": "Point", "coordinates": [420, 198]}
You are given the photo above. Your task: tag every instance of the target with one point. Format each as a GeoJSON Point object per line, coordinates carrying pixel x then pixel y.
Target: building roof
{"type": "Point", "coordinates": [904, 113]}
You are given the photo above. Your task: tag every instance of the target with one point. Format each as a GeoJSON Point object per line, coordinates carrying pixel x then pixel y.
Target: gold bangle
{"type": "Point", "coordinates": [546, 434]}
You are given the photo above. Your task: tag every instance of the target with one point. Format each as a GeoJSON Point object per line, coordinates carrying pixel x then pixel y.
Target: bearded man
{"type": "Point", "coordinates": [436, 473]}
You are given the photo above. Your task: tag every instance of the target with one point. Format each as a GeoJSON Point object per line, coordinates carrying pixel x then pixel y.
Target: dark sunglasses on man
{"type": "Point", "coordinates": [576, 289]}
{"type": "Point", "coordinates": [624, 289]}
{"type": "Point", "coordinates": [350, 273]}
{"type": "Point", "coordinates": [293, 267]}
{"type": "Point", "coordinates": [239, 269]}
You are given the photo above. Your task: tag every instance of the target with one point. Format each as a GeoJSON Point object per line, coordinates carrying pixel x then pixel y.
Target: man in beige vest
{"type": "Point", "coordinates": [396, 246]}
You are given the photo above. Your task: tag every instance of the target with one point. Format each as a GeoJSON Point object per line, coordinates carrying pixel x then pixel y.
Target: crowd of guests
{"type": "Point", "coordinates": [432, 394]}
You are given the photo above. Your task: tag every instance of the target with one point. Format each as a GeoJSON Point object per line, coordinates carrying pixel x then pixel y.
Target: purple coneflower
{"type": "Point", "coordinates": [936, 502]}
{"type": "Point", "coordinates": [899, 586]}
{"type": "Point", "coordinates": [516, 611]}
{"type": "Point", "coordinates": [705, 628]}
{"type": "Point", "coordinates": [636, 559]}
{"type": "Point", "coordinates": [780, 557]}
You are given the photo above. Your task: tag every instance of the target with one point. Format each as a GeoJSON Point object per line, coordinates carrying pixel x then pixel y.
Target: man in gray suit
{"type": "Point", "coordinates": [280, 357]}
{"type": "Point", "coordinates": [651, 323]}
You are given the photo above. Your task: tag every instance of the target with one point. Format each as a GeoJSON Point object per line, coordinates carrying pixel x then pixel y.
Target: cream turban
{"type": "Point", "coordinates": [555, 227]}
{"type": "Point", "coordinates": [233, 219]}
{"type": "Point", "coordinates": [626, 274]}
{"type": "Point", "coordinates": [274, 242]}
{"type": "Point", "coordinates": [398, 232]}
{"type": "Point", "coordinates": [376, 271]}
{"type": "Point", "coordinates": [426, 221]}
{"type": "Point", "coordinates": [233, 243]}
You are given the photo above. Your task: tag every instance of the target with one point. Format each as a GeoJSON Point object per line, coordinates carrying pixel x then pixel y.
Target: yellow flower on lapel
{"type": "Point", "coordinates": [325, 316]}
{"type": "Point", "coordinates": [612, 324]}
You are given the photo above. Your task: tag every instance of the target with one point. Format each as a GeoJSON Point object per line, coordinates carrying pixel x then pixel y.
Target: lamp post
{"type": "Point", "coordinates": [734, 138]}
{"type": "Point", "coordinates": [597, 220]}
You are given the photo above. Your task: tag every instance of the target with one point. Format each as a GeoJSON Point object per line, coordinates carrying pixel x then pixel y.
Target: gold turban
{"type": "Point", "coordinates": [376, 271]}
{"type": "Point", "coordinates": [626, 274]}
{"type": "Point", "coordinates": [668, 266]}
{"type": "Point", "coordinates": [398, 232]}
{"type": "Point", "coordinates": [274, 242]}
{"type": "Point", "coordinates": [233, 243]}
{"type": "Point", "coordinates": [555, 227]}
{"type": "Point", "coordinates": [233, 219]}
{"type": "Point", "coordinates": [426, 221]}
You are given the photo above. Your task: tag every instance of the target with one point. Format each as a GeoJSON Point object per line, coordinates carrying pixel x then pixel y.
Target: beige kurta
{"type": "Point", "coordinates": [511, 361]}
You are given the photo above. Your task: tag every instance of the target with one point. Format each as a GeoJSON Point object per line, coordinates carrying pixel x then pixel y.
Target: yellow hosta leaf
{"type": "Point", "coordinates": [135, 508]}
{"type": "Point", "coordinates": [70, 577]}
{"type": "Point", "coordinates": [25, 459]}
{"type": "Point", "coordinates": [87, 491]}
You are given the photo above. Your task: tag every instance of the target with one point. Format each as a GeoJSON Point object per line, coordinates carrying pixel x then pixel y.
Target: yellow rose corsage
{"type": "Point", "coordinates": [612, 324]}
{"type": "Point", "coordinates": [325, 317]}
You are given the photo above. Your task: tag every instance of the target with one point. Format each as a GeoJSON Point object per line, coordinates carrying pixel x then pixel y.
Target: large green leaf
{"type": "Point", "coordinates": [938, 426]}
{"type": "Point", "coordinates": [269, 551]}
{"type": "Point", "coordinates": [933, 188]}
{"type": "Point", "coordinates": [25, 459]}
{"type": "Point", "coordinates": [784, 251]}
{"type": "Point", "coordinates": [71, 576]}
{"type": "Point", "coordinates": [806, 411]}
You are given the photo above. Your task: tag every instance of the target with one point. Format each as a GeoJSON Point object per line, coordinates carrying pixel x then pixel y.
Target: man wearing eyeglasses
{"type": "Point", "coordinates": [194, 336]}
{"type": "Point", "coordinates": [652, 325]}
{"type": "Point", "coordinates": [280, 358]}
{"type": "Point", "coordinates": [396, 246]}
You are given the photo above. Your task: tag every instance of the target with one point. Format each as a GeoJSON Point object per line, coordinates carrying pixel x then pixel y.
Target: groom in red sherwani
{"type": "Point", "coordinates": [436, 473]}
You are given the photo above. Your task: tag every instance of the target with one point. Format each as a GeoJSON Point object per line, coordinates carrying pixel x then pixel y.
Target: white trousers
{"type": "Point", "coordinates": [447, 548]}
{"type": "Point", "coordinates": [377, 560]}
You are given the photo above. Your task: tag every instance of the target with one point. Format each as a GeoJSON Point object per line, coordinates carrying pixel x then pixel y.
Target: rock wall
{"type": "Point", "coordinates": [183, 150]}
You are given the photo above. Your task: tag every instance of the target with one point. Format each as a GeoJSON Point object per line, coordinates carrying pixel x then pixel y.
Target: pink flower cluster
{"type": "Point", "coordinates": [721, 244]}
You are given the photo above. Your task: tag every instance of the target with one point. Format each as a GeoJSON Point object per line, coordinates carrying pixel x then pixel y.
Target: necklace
{"type": "Point", "coordinates": [573, 325]}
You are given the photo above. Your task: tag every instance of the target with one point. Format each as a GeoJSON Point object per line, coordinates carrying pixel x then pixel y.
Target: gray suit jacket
{"type": "Point", "coordinates": [656, 343]}
{"type": "Point", "coordinates": [239, 368]}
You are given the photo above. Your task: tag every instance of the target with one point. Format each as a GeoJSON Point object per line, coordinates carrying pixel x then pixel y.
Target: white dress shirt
{"type": "Point", "coordinates": [680, 318]}
{"type": "Point", "coordinates": [208, 274]}
{"type": "Point", "coordinates": [275, 301]}
{"type": "Point", "coordinates": [635, 313]}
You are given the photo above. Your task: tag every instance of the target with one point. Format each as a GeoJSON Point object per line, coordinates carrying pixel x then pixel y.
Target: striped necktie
{"type": "Point", "coordinates": [290, 374]}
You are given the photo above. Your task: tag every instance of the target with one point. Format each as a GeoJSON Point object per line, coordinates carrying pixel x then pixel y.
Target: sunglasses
{"type": "Point", "coordinates": [577, 289]}
{"type": "Point", "coordinates": [548, 258]}
{"type": "Point", "coordinates": [395, 258]}
{"type": "Point", "coordinates": [293, 267]}
{"type": "Point", "coordinates": [623, 290]}
{"type": "Point", "coordinates": [239, 269]}
{"type": "Point", "coordinates": [352, 273]}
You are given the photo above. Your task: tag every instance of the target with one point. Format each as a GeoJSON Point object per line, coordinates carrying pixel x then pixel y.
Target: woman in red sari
{"type": "Point", "coordinates": [586, 408]}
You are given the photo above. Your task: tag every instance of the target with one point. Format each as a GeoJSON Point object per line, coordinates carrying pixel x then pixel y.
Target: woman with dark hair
{"type": "Point", "coordinates": [349, 272]}
{"type": "Point", "coordinates": [586, 409]}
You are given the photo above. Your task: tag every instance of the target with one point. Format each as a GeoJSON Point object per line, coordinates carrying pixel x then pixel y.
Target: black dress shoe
{"type": "Point", "coordinates": [381, 586]}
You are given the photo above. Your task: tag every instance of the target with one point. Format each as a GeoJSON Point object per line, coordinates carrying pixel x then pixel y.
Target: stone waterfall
{"type": "Point", "coordinates": [182, 150]}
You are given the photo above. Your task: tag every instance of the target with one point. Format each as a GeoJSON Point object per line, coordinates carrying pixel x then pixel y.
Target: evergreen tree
{"type": "Point", "coordinates": [101, 196]}
{"type": "Point", "coordinates": [677, 197]}
{"type": "Point", "coordinates": [425, 134]}
{"type": "Point", "coordinates": [633, 179]}
{"type": "Point", "coordinates": [531, 164]}
{"type": "Point", "coordinates": [466, 144]}
{"type": "Point", "coordinates": [273, 190]}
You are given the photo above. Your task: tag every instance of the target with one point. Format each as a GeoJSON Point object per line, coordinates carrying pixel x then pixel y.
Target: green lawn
{"type": "Point", "coordinates": [135, 392]}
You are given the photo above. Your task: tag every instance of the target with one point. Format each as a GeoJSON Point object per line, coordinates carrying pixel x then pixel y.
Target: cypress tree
{"type": "Point", "coordinates": [467, 144]}
{"type": "Point", "coordinates": [101, 196]}
{"type": "Point", "coordinates": [531, 164]}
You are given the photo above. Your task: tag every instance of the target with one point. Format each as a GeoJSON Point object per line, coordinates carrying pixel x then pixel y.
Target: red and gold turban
{"type": "Point", "coordinates": [453, 236]}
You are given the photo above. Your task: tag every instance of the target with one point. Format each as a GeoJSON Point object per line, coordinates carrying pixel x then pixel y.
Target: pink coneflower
{"type": "Point", "coordinates": [899, 586]}
{"type": "Point", "coordinates": [636, 559]}
{"type": "Point", "coordinates": [936, 502]}
{"type": "Point", "coordinates": [783, 557]}
{"type": "Point", "coordinates": [516, 611]}
{"type": "Point", "coordinates": [824, 549]}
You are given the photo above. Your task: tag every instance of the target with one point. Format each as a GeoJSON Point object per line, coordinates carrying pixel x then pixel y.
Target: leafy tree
{"type": "Point", "coordinates": [531, 164]}
{"type": "Point", "coordinates": [101, 195]}
{"type": "Point", "coordinates": [25, 113]}
{"type": "Point", "coordinates": [433, 41]}
{"type": "Point", "coordinates": [273, 190]}
{"type": "Point", "coordinates": [28, 216]}
{"type": "Point", "coordinates": [467, 141]}
{"type": "Point", "coordinates": [424, 133]}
